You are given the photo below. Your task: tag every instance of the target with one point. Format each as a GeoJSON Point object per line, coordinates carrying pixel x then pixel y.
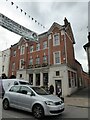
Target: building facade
{"type": "Point", "coordinates": [5, 59]}
{"type": "Point", "coordinates": [50, 61]}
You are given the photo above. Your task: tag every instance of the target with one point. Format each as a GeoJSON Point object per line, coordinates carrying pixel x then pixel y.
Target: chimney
{"type": "Point", "coordinates": [88, 36]}
{"type": "Point", "coordinates": [66, 22]}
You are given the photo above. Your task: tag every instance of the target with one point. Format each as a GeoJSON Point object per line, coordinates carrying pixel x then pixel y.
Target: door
{"type": "Point", "coordinates": [14, 95]}
{"type": "Point", "coordinates": [25, 100]}
{"type": "Point", "coordinates": [58, 84]}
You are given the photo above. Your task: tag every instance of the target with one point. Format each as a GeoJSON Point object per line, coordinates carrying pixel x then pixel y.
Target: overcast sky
{"type": "Point", "coordinates": [47, 12]}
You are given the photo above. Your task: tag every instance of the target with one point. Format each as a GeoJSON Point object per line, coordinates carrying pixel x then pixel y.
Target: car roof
{"type": "Point", "coordinates": [22, 80]}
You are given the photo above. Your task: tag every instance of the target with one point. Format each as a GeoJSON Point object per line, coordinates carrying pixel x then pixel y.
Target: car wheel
{"type": "Point", "coordinates": [38, 111]}
{"type": "Point", "coordinates": [6, 104]}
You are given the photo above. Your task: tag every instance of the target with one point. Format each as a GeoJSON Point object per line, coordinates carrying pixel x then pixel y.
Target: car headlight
{"type": "Point", "coordinates": [49, 103]}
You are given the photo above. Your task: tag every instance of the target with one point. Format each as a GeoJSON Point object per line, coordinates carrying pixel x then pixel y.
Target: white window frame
{"type": "Point", "coordinates": [38, 62]}
{"type": "Point", "coordinates": [31, 48]}
{"type": "Point", "coordinates": [21, 50]}
{"type": "Point", "coordinates": [14, 53]}
{"type": "Point", "coordinates": [21, 67]}
{"type": "Point", "coordinates": [59, 57]}
{"type": "Point", "coordinates": [45, 59]}
{"type": "Point", "coordinates": [54, 44]}
{"type": "Point", "coordinates": [37, 46]}
{"type": "Point", "coordinates": [45, 45]}
{"type": "Point", "coordinates": [31, 63]}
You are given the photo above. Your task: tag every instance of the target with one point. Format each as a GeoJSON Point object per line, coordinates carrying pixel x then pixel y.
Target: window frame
{"type": "Point", "coordinates": [58, 57]}
{"type": "Point", "coordinates": [37, 46]}
{"type": "Point", "coordinates": [54, 40]}
{"type": "Point", "coordinates": [45, 45]}
{"type": "Point", "coordinates": [22, 51]}
{"type": "Point", "coordinates": [31, 48]}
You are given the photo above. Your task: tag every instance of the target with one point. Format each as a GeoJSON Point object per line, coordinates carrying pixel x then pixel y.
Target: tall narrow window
{"type": "Point", "coordinates": [31, 61]}
{"type": "Point", "coordinates": [57, 57]}
{"type": "Point", "coordinates": [56, 40]}
{"type": "Point", "coordinates": [44, 44]}
{"type": "Point", "coordinates": [69, 79]}
{"type": "Point", "coordinates": [38, 46]}
{"type": "Point", "coordinates": [37, 60]}
{"type": "Point", "coordinates": [22, 63]}
{"type": "Point", "coordinates": [44, 59]}
{"type": "Point", "coordinates": [31, 49]}
{"type": "Point", "coordinates": [14, 53]}
{"type": "Point", "coordinates": [22, 50]}
{"type": "Point", "coordinates": [3, 68]}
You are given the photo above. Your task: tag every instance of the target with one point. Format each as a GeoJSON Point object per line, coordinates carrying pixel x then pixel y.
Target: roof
{"type": "Point", "coordinates": [86, 45]}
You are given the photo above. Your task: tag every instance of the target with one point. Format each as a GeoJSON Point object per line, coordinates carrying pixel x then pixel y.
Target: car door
{"type": "Point", "coordinates": [26, 100]}
{"type": "Point", "coordinates": [13, 95]}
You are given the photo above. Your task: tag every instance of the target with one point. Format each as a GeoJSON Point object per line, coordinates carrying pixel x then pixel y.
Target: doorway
{"type": "Point", "coordinates": [58, 83]}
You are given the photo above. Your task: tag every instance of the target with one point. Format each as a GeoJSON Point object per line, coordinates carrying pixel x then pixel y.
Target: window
{"type": "Point", "coordinates": [3, 68]}
{"type": "Point", "coordinates": [31, 49]}
{"type": "Point", "coordinates": [25, 90]}
{"type": "Point", "coordinates": [57, 73]}
{"type": "Point", "coordinates": [31, 61]}
{"type": "Point", "coordinates": [13, 66]}
{"type": "Point", "coordinates": [37, 79]}
{"type": "Point", "coordinates": [15, 89]}
{"type": "Point", "coordinates": [38, 46]}
{"type": "Point", "coordinates": [44, 59]}
{"type": "Point", "coordinates": [22, 50]}
{"type": "Point", "coordinates": [56, 40]}
{"type": "Point", "coordinates": [69, 78]}
{"type": "Point", "coordinates": [22, 63]}
{"type": "Point", "coordinates": [14, 53]}
{"type": "Point", "coordinates": [57, 58]}
{"type": "Point", "coordinates": [45, 45]}
{"type": "Point", "coordinates": [37, 60]}
{"type": "Point", "coordinates": [20, 75]}
{"type": "Point", "coordinates": [31, 79]}
{"type": "Point", "coordinates": [4, 57]}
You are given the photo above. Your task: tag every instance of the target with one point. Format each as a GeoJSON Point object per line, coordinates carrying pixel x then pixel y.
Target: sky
{"type": "Point", "coordinates": [46, 13]}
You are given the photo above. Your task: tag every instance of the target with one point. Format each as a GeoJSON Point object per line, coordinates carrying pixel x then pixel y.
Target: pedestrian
{"type": "Point", "coordinates": [59, 92]}
{"type": "Point", "coordinates": [51, 89]}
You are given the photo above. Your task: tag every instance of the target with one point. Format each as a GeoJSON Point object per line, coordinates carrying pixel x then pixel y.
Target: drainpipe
{"type": "Point", "coordinates": [65, 45]}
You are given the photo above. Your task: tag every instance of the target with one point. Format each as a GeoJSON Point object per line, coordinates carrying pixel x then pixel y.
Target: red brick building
{"type": "Point", "coordinates": [50, 60]}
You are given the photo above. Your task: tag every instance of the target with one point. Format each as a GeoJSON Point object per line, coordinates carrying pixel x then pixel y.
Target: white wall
{"type": "Point", "coordinates": [24, 75]}
{"type": "Point", "coordinates": [6, 60]}
{"type": "Point", "coordinates": [63, 77]}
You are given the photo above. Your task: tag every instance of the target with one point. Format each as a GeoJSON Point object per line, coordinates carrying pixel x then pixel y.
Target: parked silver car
{"type": "Point", "coordinates": [32, 99]}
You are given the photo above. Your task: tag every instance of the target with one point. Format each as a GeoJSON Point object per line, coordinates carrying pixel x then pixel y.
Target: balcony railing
{"type": "Point", "coordinates": [38, 65]}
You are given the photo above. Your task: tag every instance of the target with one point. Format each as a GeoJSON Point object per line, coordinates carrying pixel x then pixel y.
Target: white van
{"type": "Point", "coordinates": [6, 83]}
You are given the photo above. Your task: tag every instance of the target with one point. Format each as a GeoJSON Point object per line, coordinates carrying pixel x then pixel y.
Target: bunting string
{"type": "Point", "coordinates": [25, 13]}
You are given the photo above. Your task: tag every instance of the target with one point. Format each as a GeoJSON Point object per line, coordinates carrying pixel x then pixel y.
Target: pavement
{"type": "Point", "coordinates": [79, 99]}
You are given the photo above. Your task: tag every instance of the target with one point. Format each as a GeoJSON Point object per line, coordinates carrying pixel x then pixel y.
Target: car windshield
{"type": "Point", "coordinates": [23, 83]}
{"type": "Point", "coordinates": [40, 91]}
